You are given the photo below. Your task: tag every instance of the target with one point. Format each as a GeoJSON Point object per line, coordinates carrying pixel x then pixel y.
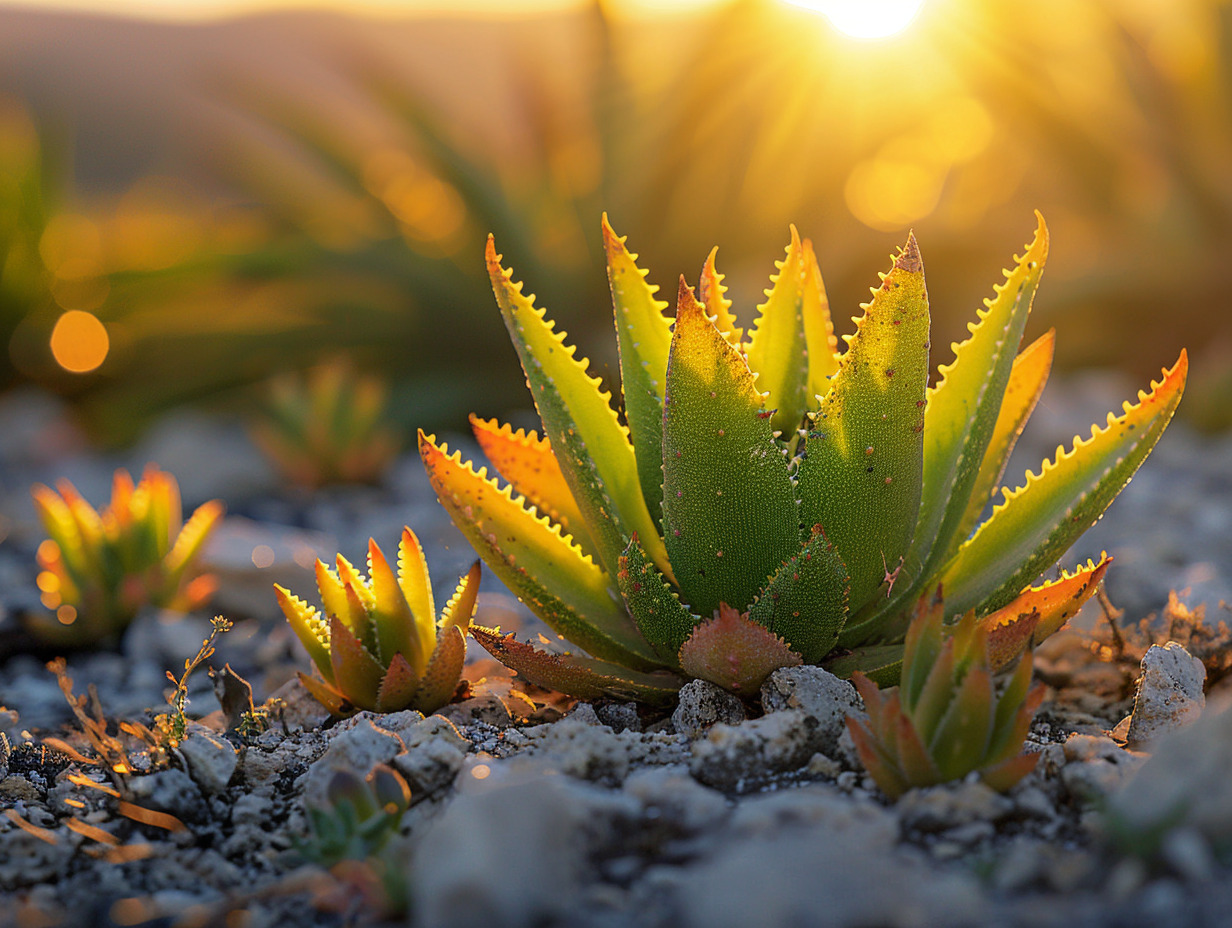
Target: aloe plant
{"type": "Point", "coordinates": [948, 718]}
{"type": "Point", "coordinates": [100, 568]}
{"type": "Point", "coordinates": [379, 645]}
{"type": "Point", "coordinates": [325, 426]}
{"type": "Point", "coordinates": [767, 499]}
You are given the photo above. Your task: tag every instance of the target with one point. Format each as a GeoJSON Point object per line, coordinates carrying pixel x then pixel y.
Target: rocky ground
{"type": "Point", "coordinates": [526, 810]}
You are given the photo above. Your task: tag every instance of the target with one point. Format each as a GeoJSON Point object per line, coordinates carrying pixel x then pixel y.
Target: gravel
{"type": "Point", "coordinates": [724, 813]}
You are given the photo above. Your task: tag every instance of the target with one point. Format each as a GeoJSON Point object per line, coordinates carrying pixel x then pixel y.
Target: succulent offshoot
{"type": "Point", "coordinates": [357, 817]}
{"type": "Point", "coordinates": [100, 568]}
{"type": "Point", "coordinates": [377, 641]}
{"type": "Point", "coordinates": [949, 716]}
{"type": "Point", "coordinates": [768, 500]}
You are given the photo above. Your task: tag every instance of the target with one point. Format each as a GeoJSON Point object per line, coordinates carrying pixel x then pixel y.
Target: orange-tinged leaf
{"type": "Point", "coordinates": [357, 674]}
{"type": "Point", "coordinates": [875, 760]}
{"type": "Point", "coordinates": [1037, 522]}
{"type": "Point", "coordinates": [527, 463]}
{"type": "Point", "coordinates": [326, 695]}
{"type": "Point", "coordinates": [577, 676]}
{"type": "Point", "coordinates": [1009, 635]}
{"type": "Point", "coordinates": [735, 652]}
{"type": "Point", "coordinates": [527, 552]}
{"type": "Point", "coordinates": [915, 761]}
{"type": "Point", "coordinates": [1004, 775]}
{"type": "Point", "coordinates": [440, 681]}
{"type": "Point", "coordinates": [1055, 602]}
{"type": "Point", "coordinates": [397, 686]}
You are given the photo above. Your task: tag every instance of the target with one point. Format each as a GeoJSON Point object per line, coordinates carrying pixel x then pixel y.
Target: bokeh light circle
{"type": "Point", "coordinates": [79, 342]}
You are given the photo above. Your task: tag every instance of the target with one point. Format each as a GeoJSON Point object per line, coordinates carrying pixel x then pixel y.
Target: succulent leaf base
{"type": "Point", "coordinates": [766, 499]}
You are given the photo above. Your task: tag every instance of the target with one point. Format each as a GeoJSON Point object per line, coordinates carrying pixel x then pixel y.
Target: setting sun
{"type": "Point", "coordinates": [866, 19]}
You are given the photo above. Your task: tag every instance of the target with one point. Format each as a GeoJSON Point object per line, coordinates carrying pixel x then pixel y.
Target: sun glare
{"type": "Point", "coordinates": [866, 19]}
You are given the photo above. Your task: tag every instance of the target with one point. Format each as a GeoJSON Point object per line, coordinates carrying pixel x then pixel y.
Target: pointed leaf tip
{"type": "Point", "coordinates": [910, 260]}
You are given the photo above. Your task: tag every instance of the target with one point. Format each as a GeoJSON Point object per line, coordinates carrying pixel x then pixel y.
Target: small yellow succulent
{"type": "Point", "coordinates": [377, 642]}
{"type": "Point", "coordinates": [99, 568]}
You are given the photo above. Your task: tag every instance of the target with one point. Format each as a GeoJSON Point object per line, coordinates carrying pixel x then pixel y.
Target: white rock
{"type": "Point", "coordinates": [1169, 693]}
{"type": "Point", "coordinates": [818, 693]}
{"type": "Point", "coordinates": [518, 846]}
{"type": "Point", "coordinates": [804, 876]}
{"type": "Point", "coordinates": [702, 705]}
{"type": "Point", "coordinates": [736, 757]}
{"type": "Point", "coordinates": [1185, 782]}
{"type": "Point", "coordinates": [357, 749]}
{"type": "Point", "coordinates": [211, 760]}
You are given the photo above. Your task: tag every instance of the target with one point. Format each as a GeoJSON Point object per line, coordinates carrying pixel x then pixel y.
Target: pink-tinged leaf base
{"type": "Point", "coordinates": [734, 652]}
{"type": "Point", "coordinates": [576, 676]}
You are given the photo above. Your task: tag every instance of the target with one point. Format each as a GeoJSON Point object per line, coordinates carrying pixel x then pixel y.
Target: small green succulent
{"type": "Point", "coordinates": [767, 500]}
{"type": "Point", "coordinates": [325, 426]}
{"type": "Point", "coordinates": [100, 568]}
{"type": "Point", "coordinates": [948, 718]}
{"type": "Point", "coordinates": [358, 816]}
{"type": "Point", "coordinates": [379, 645]}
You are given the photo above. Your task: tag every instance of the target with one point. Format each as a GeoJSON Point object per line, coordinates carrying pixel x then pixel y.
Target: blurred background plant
{"type": "Point", "coordinates": [331, 193]}
{"type": "Point", "coordinates": [100, 568]}
{"type": "Point", "coordinates": [326, 425]}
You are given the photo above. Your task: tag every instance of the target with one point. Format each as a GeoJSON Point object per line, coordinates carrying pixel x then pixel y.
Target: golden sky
{"type": "Point", "coordinates": [207, 9]}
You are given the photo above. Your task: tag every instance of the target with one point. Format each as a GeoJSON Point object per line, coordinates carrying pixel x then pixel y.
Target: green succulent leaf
{"type": "Point", "coordinates": [1039, 521]}
{"type": "Point", "coordinates": [357, 674]}
{"type": "Point", "coordinates": [590, 444]}
{"type": "Point", "coordinates": [861, 474]}
{"type": "Point", "coordinates": [663, 619]}
{"type": "Point", "coordinates": [395, 624]}
{"type": "Point", "coordinates": [823, 356]}
{"type": "Point", "coordinates": [805, 602]}
{"type": "Point", "coordinates": [880, 663]}
{"type": "Point", "coordinates": [777, 348]}
{"type": "Point", "coordinates": [729, 509]}
{"type": "Point", "coordinates": [1026, 383]}
{"type": "Point", "coordinates": [544, 569]}
{"type": "Point", "coordinates": [643, 336]}
{"type": "Point", "coordinates": [962, 412]}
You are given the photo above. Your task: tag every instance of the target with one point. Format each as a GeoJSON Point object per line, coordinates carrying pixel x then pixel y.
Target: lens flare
{"type": "Point", "coordinates": [866, 19]}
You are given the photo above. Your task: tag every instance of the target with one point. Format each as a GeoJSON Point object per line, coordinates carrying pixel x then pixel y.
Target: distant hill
{"type": "Point", "coordinates": [137, 96]}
